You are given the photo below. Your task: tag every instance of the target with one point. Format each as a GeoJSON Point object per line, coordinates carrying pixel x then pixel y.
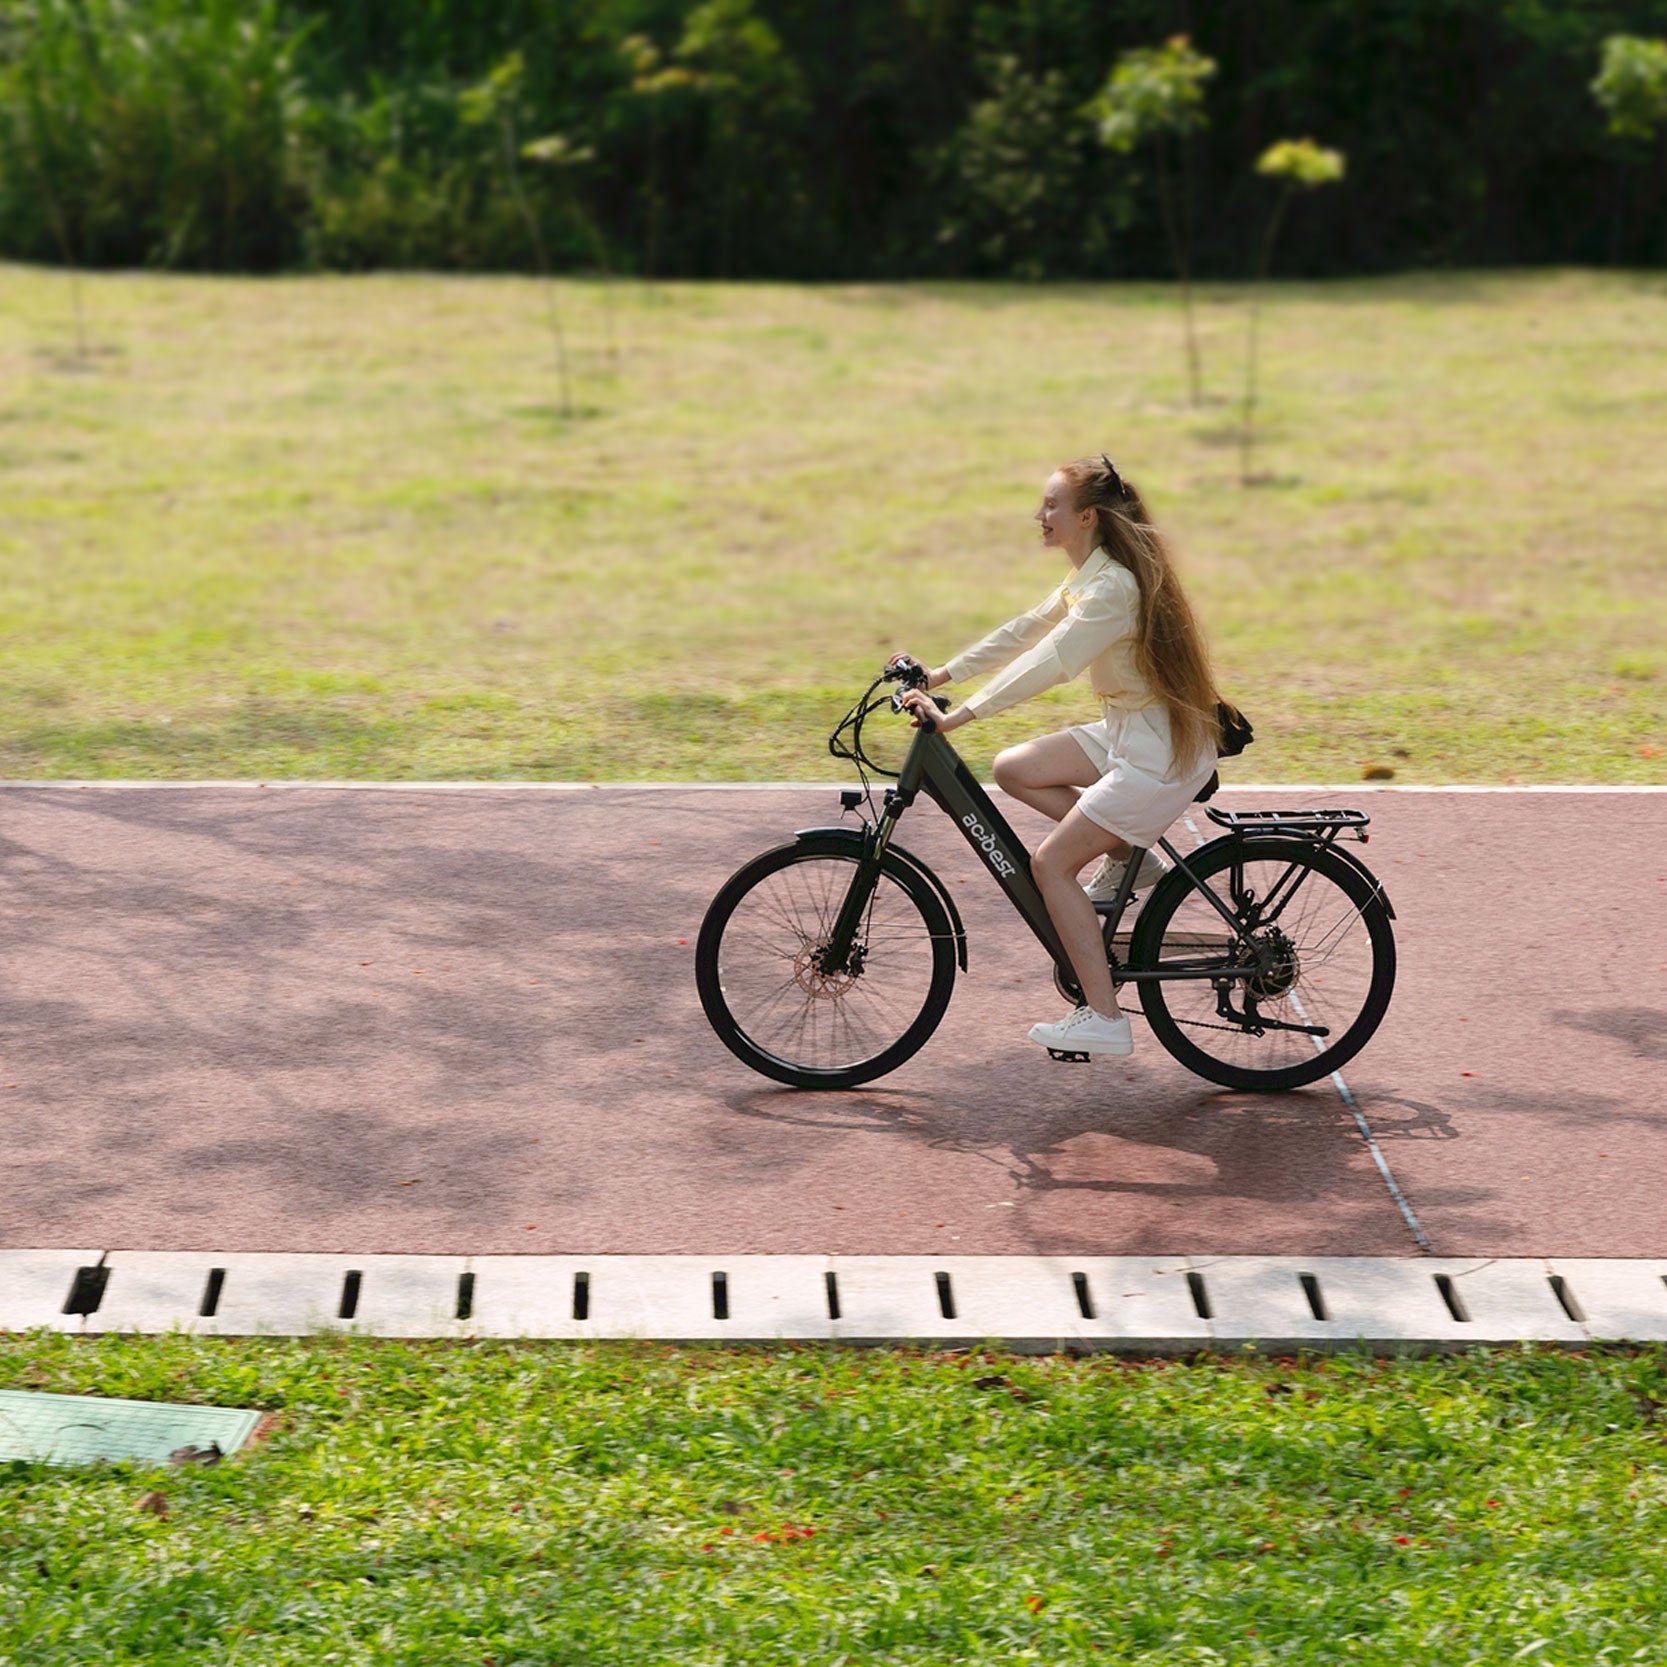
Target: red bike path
{"type": "Point", "coordinates": [419, 1020]}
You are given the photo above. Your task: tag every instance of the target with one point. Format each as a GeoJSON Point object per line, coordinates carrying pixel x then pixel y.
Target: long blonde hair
{"type": "Point", "coordinates": [1169, 643]}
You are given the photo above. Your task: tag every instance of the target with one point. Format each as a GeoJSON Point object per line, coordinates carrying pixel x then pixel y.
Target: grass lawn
{"type": "Point", "coordinates": [338, 527]}
{"type": "Point", "coordinates": [511, 1504]}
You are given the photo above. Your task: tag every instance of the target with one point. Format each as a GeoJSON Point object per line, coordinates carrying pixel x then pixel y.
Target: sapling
{"type": "Point", "coordinates": [34, 104]}
{"type": "Point", "coordinates": [1298, 164]}
{"type": "Point", "coordinates": [492, 103]}
{"type": "Point", "coordinates": [652, 81]}
{"type": "Point", "coordinates": [557, 151]}
{"type": "Point", "coordinates": [1631, 85]}
{"type": "Point", "coordinates": [1157, 93]}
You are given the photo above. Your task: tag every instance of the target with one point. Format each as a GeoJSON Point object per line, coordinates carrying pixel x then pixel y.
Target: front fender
{"type": "Point", "coordinates": [854, 838]}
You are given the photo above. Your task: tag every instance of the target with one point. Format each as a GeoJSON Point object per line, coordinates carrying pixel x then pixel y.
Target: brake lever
{"type": "Point", "coordinates": [897, 706]}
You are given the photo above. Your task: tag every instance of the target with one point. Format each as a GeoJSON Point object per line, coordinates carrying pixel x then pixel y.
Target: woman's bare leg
{"type": "Point", "coordinates": [1054, 867]}
{"type": "Point", "coordinates": [1046, 774]}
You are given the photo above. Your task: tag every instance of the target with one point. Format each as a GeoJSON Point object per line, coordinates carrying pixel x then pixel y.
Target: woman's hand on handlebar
{"type": "Point", "coordinates": [936, 676]}
{"type": "Point", "coordinates": [924, 712]}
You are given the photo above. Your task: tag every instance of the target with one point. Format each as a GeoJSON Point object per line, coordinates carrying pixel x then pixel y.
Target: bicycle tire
{"type": "Point", "coordinates": [774, 1010]}
{"type": "Point", "coordinates": [1338, 969]}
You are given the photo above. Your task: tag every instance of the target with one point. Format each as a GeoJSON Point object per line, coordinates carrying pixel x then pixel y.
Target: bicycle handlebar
{"type": "Point", "coordinates": [905, 669]}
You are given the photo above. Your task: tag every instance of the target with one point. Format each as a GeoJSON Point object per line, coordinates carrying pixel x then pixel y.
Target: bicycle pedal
{"type": "Point", "coordinates": [1068, 1058]}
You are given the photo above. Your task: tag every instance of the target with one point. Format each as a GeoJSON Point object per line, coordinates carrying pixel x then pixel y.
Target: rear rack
{"type": "Point", "coordinates": [1331, 822]}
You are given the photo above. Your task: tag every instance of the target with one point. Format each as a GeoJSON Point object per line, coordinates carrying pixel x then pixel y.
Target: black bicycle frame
{"type": "Point", "coordinates": [935, 768]}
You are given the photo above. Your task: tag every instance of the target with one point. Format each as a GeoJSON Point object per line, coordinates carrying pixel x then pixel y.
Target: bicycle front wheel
{"type": "Point", "coordinates": [1321, 947]}
{"type": "Point", "coordinates": [771, 1002]}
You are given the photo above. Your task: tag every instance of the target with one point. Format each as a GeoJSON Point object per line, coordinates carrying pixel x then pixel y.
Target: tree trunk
{"type": "Point", "coordinates": [507, 126]}
{"type": "Point", "coordinates": [1180, 256]}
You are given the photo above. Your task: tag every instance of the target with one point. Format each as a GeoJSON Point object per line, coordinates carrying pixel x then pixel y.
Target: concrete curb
{"type": "Point", "coordinates": [1131, 1305]}
{"type": "Point", "coordinates": [833, 784]}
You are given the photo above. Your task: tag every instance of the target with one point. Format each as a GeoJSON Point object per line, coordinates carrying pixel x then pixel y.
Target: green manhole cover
{"type": "Point", "coordinates": [82, 1429]}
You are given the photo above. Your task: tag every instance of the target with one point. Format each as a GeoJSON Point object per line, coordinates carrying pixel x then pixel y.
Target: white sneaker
{"type": "Point", "coordinates": [1086, 1031]}
{"type": "Point", "coordinates": [1103, 883]}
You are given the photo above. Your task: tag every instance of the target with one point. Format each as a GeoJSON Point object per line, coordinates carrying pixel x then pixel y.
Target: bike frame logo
{"type": "Point", "coordinates": [986, 842]}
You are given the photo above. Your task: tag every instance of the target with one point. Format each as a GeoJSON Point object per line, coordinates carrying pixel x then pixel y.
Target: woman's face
{"type": "Point", "coordinates": [1062, 527]}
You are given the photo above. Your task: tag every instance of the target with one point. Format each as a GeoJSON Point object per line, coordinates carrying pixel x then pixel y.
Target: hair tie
{"type": "Point", "coordinates": [1117, 486]}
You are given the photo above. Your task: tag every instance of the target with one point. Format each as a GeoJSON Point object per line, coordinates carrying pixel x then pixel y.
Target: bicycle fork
{"type": "Point", "coordinates": [835, 956]}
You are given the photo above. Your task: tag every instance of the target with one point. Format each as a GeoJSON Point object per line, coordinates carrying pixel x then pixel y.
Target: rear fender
{"type": "Point", "coordinates": [853, 837]}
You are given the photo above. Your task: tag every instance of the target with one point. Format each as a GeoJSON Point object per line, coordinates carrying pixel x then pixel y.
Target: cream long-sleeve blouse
{"type": "Point", "coordinates": [1088, 624]}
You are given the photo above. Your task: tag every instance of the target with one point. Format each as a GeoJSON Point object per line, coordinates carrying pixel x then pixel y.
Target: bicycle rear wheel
{"type": "Point", "coordinates": [1324, 957]}
{"type": "Point", "coordinates": [772, 1005]}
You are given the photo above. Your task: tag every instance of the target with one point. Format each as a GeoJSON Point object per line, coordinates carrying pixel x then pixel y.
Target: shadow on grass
{"type": "Point", "coordinates": [256, 738]}
{"type": "Point", "coordinates": [1443, 289]}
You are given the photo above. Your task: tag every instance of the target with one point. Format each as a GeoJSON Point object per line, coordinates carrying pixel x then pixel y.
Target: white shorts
{"type": "Point", "coordinates": [1140, 791]}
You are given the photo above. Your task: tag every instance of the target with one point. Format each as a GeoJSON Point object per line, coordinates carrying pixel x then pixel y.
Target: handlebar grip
{"type": "Point", "coordinates": [907, 670]}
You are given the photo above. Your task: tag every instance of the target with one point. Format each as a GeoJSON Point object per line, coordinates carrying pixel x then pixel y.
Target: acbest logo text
{"type": "Point", "coordinates": [986, 842]}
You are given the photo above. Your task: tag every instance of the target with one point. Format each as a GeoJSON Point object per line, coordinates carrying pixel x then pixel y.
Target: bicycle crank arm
{"type": "Point", "coordinates": [1305, 1030]}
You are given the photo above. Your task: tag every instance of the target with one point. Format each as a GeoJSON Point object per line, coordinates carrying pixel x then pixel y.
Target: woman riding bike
{"type": "Point", "coordinates": [1118, 784]}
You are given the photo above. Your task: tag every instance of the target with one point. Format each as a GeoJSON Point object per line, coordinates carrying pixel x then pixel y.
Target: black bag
{"type": "Point", "coordinates": [1236, 735]}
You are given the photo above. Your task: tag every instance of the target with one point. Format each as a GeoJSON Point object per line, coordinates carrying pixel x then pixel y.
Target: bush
{"type": "Point", "coordinates": [789, 139]}
{"type": "Point", "coordinates": [150, 132]}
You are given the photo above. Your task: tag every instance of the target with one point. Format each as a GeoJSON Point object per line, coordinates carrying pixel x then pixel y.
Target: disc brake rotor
{"type": "Point", "coordinates": [809, 976]}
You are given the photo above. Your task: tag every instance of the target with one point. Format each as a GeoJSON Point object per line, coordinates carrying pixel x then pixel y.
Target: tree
{"type": "Point", "coordinates": [1004, 172]}
{"type": "Point", "coordinates": [1157, 93]}
{"type": "Point", "coordinates": [1299, 164]}
{"type": "Point", "coordinates": [751, 88]}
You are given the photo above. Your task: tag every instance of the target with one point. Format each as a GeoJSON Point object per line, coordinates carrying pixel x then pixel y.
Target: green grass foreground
{"type": "Point", "coordinates": [339, 527]}
{"type": "Point", "coordinates": [513, 1504]}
